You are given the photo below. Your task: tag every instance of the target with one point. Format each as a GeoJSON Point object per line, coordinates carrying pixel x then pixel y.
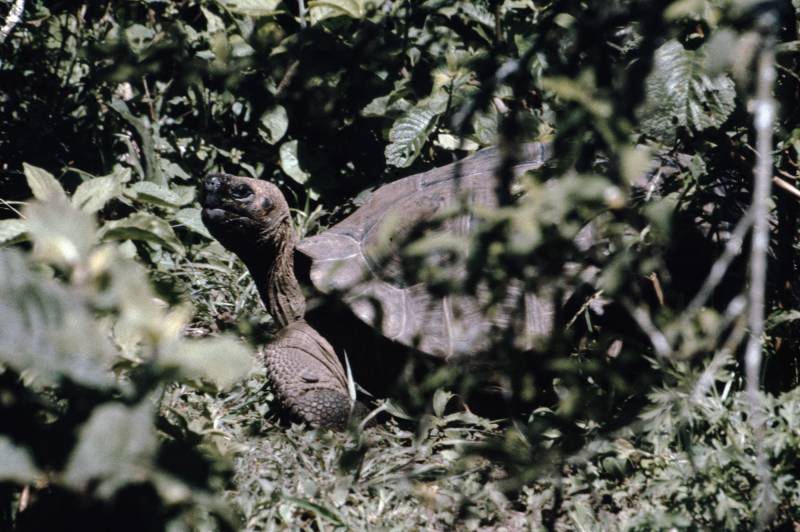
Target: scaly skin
{"type": "Point", "coordinates": [308, 377]}
{"type": "Point", "coordinates": [250, 217]}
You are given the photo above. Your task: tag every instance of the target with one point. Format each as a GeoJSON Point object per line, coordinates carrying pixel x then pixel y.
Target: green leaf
{"type": "Point", "coordinates": [214, 24]}
{"type": "Point", "coordinates": [274, 123]}
{"type": "Point", "coordinates": [252, 8]}
{"type": "Point", "coordinates": [580, 91]}
{"type": "Point", "coordinates": [222, 361]}
{"type": "Point", "coordinates": [116, 446]}
{"type": "Point", "coordinates": [290, 162]}
{"type": "Point", "coordinates": [326, 513]}
{"type": "Point", "coordinates": [143, 129]}
{"type": "Point", "coordinates": [408, 135]}
{"type": "Point", "coordinates": [16, 464]}
{"type": "Point", "coordinates": [47, 329]}
{"type": "Point", "coordinates": [681, 94]}
{"type": "Point", "coordinates": [322, 9]}
{"type": "Point", "coordinates": [61, 234]}
{"type": "Point", "coordinates": [142, 226]}
{"type": "Point", "coordinates": [383, 105]}
{"type": "Point", "coordinates": [191, 219]}
{"type": "Point", "coordinates": [780, 317]}
{"type": "Point", "coordinates": [93, 194]}
{"type": "Point", "coordinates": [148, 192]}
{"type": "Point", "coordinates": [42, 183]}
{"type": "Point", "coordinates": [452, 142]}
{"type": "Point", "coordinates": [12, 230]}
{"type": "Point", "coordinates": [440, 400]}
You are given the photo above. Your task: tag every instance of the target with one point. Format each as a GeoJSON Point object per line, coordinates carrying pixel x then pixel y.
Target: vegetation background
{"type": "Point", "coordinates": [130, 393]}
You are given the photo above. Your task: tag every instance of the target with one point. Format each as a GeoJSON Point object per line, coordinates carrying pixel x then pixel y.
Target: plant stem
{"type": "Point", "coordinates": [764, 118]}
{"type": "Point", "coordinates": [13, 18]}
{"type": "Point", "coordinates": [301, 10]}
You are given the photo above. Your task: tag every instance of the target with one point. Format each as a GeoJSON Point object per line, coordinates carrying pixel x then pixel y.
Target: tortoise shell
{"type": "Point", "coordinates": [356, 259]}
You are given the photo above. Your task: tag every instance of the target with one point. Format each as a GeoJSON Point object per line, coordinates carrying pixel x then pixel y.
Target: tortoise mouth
{"type": "Point", "coordinates": [221, 215]}
{"type": "Point", "coordinates": [230, 228]}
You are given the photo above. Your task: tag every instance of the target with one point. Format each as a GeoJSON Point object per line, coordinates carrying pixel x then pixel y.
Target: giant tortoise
{"type": "Point", "coordinates": [351, 263]}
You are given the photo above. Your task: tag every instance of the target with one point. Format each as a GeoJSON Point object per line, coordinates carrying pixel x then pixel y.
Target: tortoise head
{"type": "Point", "coordinates": [243, 213]}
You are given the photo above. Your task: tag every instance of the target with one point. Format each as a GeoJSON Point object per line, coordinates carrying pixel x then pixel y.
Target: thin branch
{"type": "Point", "coordinates": [14, 17]}
{"type": "Point", "coordinates": [287, 78]}
{"type": "Point", "coordinates": [725, 353]}
{"type": "Point", "coordinates": [788, 187]}
{"type": "Point", "coordinates": [764, 118]}
{"type": "Point", "coordinates": [732, 249]}
{"type": "Point", "coordinates": [12, 208]}
{"type": "Point", "coordinates": [660, 343]}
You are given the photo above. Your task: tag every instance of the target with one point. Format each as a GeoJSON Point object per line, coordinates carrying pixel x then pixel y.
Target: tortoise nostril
{"type": "Point", "coordinates": [212, 183]}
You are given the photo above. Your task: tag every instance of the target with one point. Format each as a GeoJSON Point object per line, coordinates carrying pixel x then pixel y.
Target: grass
{"type": "Point", "coordinates": [392, 475]}
{"type": "Point", "coordinates": [433, 474]}
{"type": "Point", "coordinates": [386, 476]}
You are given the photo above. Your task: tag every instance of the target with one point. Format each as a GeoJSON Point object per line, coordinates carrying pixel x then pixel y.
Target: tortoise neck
{"type": "Point", "coordinates": [272, 269]}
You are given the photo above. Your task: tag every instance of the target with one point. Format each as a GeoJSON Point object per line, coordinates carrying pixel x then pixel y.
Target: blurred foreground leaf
{"type": "Point", "coordinates": [116, 446]}
{"type": "Point", "coordinates": [15, 463]}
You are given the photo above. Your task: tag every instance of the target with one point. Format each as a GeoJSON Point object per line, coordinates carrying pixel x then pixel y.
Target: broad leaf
{"type": "Point", "coordinates": [322, 9]}
{"type": "Point", "coordinates": [12, 230]}
{"type": "Point", "coordinates": [148, 192]}
{"type": "Point", "coordinates": [144, 130]}
{"type": "Point", "coordinates": [408, 135]}
{"type": "Point", "coordinates": [290, 163]}
{"type": "Point", "coordinates": [253, 8]}
{"type": "Point", "coordinates": [47, 329]}
{"type": "Point", "coordinates": [61, 235]}
{"type": "Point", "coordinates": [93, 194]}
{"type": "Point", "coordinates": [190, 218]}
{"type": "Point", "coordinates": [42, 183]}
{"type": "Point", "coordinates": [142, 226]}
{"type": "Point", "coordinates": [681, 94]}
{"type": "Point", "coordinates": [116, 445]}
{"type": "Point", "coordinates": [16, 464]}
{"type": "Point", "coordinates": [274, 123]}
{"type": "Point", "coordinates": [222, 361]}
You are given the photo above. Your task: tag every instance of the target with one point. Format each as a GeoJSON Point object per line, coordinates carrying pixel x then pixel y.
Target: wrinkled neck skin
{"type": "Point", "coordinates": [271, 264]}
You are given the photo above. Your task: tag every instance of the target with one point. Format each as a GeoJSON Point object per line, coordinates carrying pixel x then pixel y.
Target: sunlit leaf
{"type": "Point", "coordinates": [157, 195]}
{"type": "Point", "coordinates": [93, 194]}
{"type": "Point", "coordinates": [43, 185]}
{"type": "Point", "coordinates": [61, 234]}
{"type": "Point", "coordinates": [214, 23]}
{"type": "Point", "coordinates": [290, 162]}
{"type": "Point", "coordinates": [440, 400]}
{"type": "Point", "coordinates": [274, 123]}
{"type": "Point", "coordinates": [253, 8]}
{"type": "Point", "coordinates": [12, 230]}
{"type": "Point", "coordinates": [408, 135]}
{"type": "Point", "coordinates": [142, 226]}
{"type": "Point", "coordinates": [322, 9]}
{"type": "Point", "coordinates": [680, 94]}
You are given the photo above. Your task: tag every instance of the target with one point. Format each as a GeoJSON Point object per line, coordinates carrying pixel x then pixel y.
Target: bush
{"type": "Point", "coordinates": [639, 417]}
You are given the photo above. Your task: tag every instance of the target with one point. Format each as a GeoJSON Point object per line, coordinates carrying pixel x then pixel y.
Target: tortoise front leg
{"type": "Point", "coordinates": [307, 376]}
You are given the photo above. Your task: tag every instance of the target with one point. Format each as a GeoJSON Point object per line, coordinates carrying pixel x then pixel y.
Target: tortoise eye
{"type": "Point", "coordinates": [241, 192]}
